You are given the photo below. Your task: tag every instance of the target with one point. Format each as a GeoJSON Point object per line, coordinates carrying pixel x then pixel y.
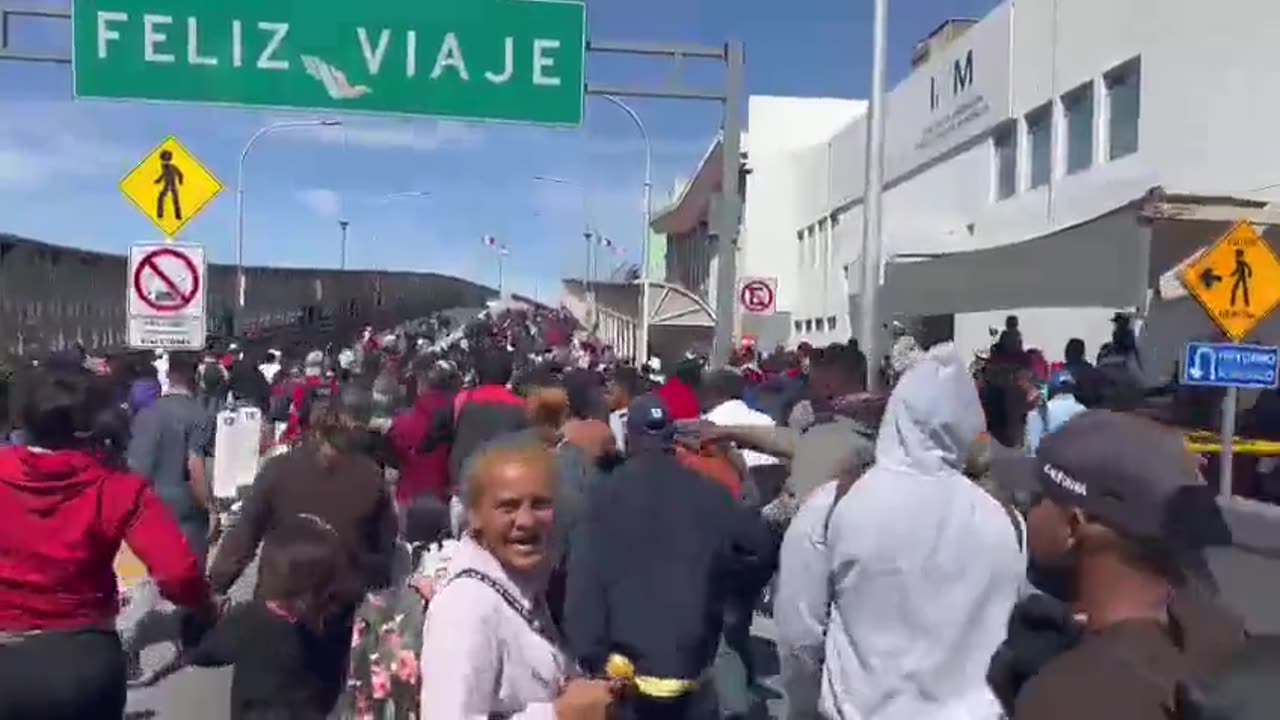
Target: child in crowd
{"type": "Point", "coordinates": [276, 641]}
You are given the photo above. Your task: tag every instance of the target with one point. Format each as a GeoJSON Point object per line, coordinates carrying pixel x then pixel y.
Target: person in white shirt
{"type": "Point", "coordinates": [625, 385]}
{"type": "Point", "coordinates": [270, 366]}
{"type": "Point", "coordinates": [722, 395]}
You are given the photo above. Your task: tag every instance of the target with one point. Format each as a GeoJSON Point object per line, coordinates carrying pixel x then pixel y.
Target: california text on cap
{"type": "Point", "coordinates": [1125, 472]}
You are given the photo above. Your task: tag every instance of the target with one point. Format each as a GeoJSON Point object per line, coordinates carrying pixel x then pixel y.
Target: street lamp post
{"type": "Point", "coordinates": [586, 236]}
{"type": "Point", "coordinates": [642, 354]}
{"type": "Point", "coordinates": [342, 252]}
{"type": "Point", "coordinates": [288, 125]}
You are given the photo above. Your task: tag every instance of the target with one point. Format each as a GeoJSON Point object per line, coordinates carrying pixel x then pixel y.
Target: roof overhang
{"type": "Point", "coordinates": [688, 210]}
{"type": "Point", "coordinates": [1110, 260]}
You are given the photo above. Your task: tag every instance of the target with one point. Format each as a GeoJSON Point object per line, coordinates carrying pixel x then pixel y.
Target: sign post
{"type": "Point", "coordinates": [1230, 366]}
{"type": "Point", "coordinates": [1237, 282]}
{"type": "Point", "coordinates": [509, 60]}
{"type": "Point", "coordinates": [166, 297]}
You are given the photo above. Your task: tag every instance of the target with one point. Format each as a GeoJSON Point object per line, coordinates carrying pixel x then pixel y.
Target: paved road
{"type": "Point", "coordinates": [193, 693]}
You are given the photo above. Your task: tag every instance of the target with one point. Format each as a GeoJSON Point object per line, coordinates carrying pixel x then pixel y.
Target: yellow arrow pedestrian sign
{"type": "Point", "coordinates": [170, 186]}
{"type": "Point", "coordinates": [1236, 280]}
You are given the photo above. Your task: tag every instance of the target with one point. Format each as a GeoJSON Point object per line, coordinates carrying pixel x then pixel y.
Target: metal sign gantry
{"type": "Point", "coordinates": [730, 95]}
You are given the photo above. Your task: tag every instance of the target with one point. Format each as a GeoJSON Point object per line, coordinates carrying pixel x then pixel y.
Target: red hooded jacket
{"type": "Point", "coordinates": [680, 399]}
{"type": "Point", "coordinates": [63, 516]}
{"type": "Point", "coordinates": [423, 470]}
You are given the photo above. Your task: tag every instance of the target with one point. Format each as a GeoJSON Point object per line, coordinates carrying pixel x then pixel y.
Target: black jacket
{"type": "Point", "coordinates": [652, 562]}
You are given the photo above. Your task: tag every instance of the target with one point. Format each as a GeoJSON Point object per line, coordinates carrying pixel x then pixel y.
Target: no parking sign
{"type": "Point", "coordinates": [166, 297]}
{"type": "Point", "coordinates": [758, 296]}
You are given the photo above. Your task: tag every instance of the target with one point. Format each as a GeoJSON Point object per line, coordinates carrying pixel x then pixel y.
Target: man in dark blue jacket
{"type": "Point", "coordinates": [657, 555]}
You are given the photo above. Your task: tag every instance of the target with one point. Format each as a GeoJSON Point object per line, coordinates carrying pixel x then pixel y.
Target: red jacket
{"type": "Point", "coordinates": [63, 516]}
{"type": "Point", "coordinates": [298, 395]}
{"type": "Point", "coordinates": [423, 470]}
{"type": "Point", "coordinates": [681, 401]}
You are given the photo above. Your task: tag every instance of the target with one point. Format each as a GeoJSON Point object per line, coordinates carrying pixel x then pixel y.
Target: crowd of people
{"type": "Point", "coordinates": [507, 520]}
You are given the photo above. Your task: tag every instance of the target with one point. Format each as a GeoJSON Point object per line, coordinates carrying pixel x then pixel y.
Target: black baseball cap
{"type": "Point", "coordinates": [1129, 474]}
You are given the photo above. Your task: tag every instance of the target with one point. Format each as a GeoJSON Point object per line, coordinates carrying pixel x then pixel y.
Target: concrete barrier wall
{"type": "Point", "coordinates": [1248, 573]}
{"type": "Point", "coordinates": [52, 297]}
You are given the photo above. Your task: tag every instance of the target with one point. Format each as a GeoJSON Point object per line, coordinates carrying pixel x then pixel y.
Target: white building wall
{"type": "Point", "coordinates": [786, 146]}
{"type": "Point", "coordinates": [1206, 126]}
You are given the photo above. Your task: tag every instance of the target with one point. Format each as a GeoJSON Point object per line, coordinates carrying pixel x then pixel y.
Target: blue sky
{"type": "Point", "coordinates": [60, 160]}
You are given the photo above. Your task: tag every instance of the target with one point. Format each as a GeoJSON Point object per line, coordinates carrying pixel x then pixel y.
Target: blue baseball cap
{"type": "Point", "coordinates": [648, 415]}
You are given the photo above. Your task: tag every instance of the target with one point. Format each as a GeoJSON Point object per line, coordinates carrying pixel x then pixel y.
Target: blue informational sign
{"type": "Point", "coordinates": [1230, 365]}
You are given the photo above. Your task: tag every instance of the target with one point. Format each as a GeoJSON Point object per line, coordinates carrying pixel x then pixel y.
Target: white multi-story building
{"type": "Point", "coordinates": [1021, 153]}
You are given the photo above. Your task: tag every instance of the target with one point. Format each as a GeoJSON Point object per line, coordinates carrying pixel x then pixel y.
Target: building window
{"type": "Point", "coordinates": [831, 324]}
{"type": "Point", "coordinates": [799, 326]}
{"type": "Point", "coordinates": [1040, 146]}
{"type": "Point", "coordinates": [1005, 145]}
{"type": "Point", "coordinates": [1124, 91]}
{"type": "Point", "coordinates": [1077, 109]}
{"type": "Point", "coordinates": [808, 325]}
{"type": "Point", "coordinates": [824, 245]}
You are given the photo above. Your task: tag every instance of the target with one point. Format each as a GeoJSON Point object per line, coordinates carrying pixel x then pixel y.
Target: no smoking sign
{"type": "Point", "coordinates": [166, 291]}
{"type": "Point", "coordinates": [758, 296]}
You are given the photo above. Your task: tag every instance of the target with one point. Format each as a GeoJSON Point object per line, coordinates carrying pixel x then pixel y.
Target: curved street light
{"type": "Point", "coordinates": [286, 125]}
{"type": "Point", "coordinates": [644, 238]}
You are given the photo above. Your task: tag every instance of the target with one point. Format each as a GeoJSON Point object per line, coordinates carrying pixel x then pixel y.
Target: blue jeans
{"type": "Point", "coordinates": [197, 534]}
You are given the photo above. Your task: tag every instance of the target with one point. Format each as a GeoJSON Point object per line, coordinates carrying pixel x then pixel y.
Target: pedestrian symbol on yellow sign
{"type": "Point", "coordinates": [170, 186]}
{"type": "Point", "coordinates": [169, 180]}
{"type": "Point", "coordinates": [1241, 273]}
{"type": "Point", "coordinates": [1236, 280]}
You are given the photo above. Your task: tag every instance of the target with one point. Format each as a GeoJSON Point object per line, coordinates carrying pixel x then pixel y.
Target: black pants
{"type": "Point", "coordinates": [63, 676]}
{"type": "Point", "coordinates": [697, 705]}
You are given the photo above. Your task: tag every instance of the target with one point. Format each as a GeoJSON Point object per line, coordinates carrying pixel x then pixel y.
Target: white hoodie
{"type": "Point", "coordinates": [925, 565]}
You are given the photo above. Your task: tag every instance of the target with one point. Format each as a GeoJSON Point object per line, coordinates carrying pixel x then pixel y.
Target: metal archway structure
{"type": "Point", "coordinates": [673, 305]}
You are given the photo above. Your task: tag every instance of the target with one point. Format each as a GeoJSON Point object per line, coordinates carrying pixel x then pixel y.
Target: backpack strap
{"type": "Point", "coordinates": [1019, 524]}
{"type": "Point", "coordinates": [843, 485]}
{"type": "Point", "coordinates": [507, 596]}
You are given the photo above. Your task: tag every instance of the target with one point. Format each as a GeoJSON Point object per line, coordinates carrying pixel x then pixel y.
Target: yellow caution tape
{"type": "Point", "coordinates": [1203, 441]}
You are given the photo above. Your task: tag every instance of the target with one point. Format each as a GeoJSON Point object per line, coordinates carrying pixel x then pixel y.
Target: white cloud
{"type": "Point", "coordinates": [321, 201]}
{"type": "Point", "coordinates": [412, 135]}
{"type": "Point", "coordinates": [45, 142]}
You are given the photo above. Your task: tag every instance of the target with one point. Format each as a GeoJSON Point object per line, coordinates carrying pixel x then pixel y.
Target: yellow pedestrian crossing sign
{"type": "Point", "coordinates": [1236, 280]}
{"type": "Point", "coordinates": [170, 186]}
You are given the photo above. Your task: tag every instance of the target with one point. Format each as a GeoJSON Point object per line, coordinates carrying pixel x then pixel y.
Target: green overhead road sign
{"type": "Point", "coordinates": [511, 60]}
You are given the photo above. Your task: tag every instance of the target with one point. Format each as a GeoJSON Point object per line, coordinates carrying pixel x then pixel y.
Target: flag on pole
{"type": "Point", "coordinates": [490, 241]}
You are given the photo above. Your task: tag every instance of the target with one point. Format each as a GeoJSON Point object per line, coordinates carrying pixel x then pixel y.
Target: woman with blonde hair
{"type": "Point", "coordinates": [490, 648]}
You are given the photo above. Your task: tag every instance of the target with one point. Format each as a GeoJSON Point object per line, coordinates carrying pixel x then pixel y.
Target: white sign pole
{"type": "Point", "coordinates": [1227, 451]}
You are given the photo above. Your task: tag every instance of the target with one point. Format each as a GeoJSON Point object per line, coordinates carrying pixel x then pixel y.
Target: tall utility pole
{"type": "Point", "coordinates": [730, 210]}
{"type": "Point", "coordinates": [501, 252]}
{"type": "Point", "coordinates": [869, 334]}
{"type": "Point", "coordinates": [586, 277]}
{"type": "Point", "coordinates": [342, 257]}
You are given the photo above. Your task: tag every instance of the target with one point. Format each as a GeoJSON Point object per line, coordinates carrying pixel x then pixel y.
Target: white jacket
{"type": "Point", "coordinates": [925, 565]}
{"type": "Point", "coordinates": [480, 658]}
